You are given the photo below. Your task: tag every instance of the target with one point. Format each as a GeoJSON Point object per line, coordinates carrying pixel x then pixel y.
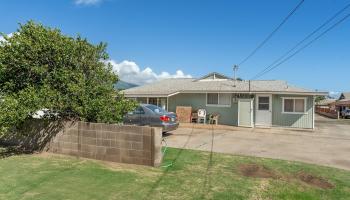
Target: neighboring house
{"type": "Point", "coordinates": [327, 108]}
{"type": "Point", "coordinates": [326, 104]}
{"type": "Point", "coordinates": [122, 85]}
{"type": "Point", "coordinates": [344, 95]}
{"type": "Point", "coordinates": [343, 101]}
{"type": "Point", "coordinates": [240, 103]}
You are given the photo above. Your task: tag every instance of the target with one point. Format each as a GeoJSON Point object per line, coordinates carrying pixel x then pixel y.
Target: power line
{"type": "Point", "coordinates": [305, 46]}
{"type": "Point", "coordinates": [272, 33]}
{"type": "Point", "coordinates": [303, 40]}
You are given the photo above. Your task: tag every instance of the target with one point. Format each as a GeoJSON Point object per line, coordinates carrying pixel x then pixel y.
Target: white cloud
{"type": "Point", "coordinates": [87, 2]}
{"type": "Point", "coordinates": [334, 94]}
{"type": "Point", "coordinates": [3, 39]}
{"type": "Point", "coordinates": [130, 72]}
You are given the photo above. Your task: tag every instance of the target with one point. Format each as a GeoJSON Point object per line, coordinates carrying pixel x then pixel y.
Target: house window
{"type": "Point", "coordinates": [294, 105]}
{"type": "Point", "coordinates": [299, 105]}
{"type": "Point", "coordinates": [264, 103]}
{"type": "Point", "coordinates": [141, 100]}
{"type": "Point", "coordinates": [217, 99]}
{"type": "Point", "coordinates": [153, 101]}
{"type": "Point", "coordinates": [213, 98]}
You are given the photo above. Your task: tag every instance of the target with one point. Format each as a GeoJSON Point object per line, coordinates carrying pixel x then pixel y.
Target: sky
{"type": "Point", "coordinates": [150, 40]}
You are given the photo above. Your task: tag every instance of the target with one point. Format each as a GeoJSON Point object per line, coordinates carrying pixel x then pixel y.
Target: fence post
{"type": "Point", "coordinates": [338, 114]}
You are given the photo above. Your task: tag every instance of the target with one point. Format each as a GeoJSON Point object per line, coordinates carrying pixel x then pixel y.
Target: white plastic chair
{"type": "Point", "coordinates": [202, 115]}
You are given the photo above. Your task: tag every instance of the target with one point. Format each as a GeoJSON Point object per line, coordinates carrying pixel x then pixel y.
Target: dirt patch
{"type": "Point", "coordinates": [256, 171]}
{"type": "Point", "coordinates": [314, 181]}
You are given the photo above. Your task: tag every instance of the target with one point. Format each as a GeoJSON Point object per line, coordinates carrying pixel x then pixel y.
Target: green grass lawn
{"type": "Point", "coordinates": [193, 175]}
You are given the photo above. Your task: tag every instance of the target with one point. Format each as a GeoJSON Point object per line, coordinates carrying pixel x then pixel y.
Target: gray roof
{"type": "Point", "coordinates": [189, 85]}
{"type": "Point", "coordinates": [214, 75]}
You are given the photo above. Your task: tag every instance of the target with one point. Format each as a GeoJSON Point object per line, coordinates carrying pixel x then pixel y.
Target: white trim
{"type": "Point", "coordinates": [217, 105]}
{"type": "Point", "coordinates": [269, 103]}
{"type": "Point", "coordinates": [251, 113]}
{"type": "Point", "coordinates": [295, 113]}
{"type": "Point", "coordinates": [259, 92]}
{"type": "Point", "coordinates": [294, 98]}
{"type": "Point", "coordinates": [144, 95]}
{"type": "Point", "coordinates": [167, 104]}
{"type": "Point", "coordinates": [173, 94]}
{"type": "Point", "coordinates": [212, 80]}
{"type": "Point", "coordinates": [231, 92]}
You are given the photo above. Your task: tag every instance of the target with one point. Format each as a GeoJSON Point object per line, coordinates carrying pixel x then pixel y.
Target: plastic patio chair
{"type": "Point", "coordinates": [214, 119]}
{"type": "Point", "coordinates": [202, 116]}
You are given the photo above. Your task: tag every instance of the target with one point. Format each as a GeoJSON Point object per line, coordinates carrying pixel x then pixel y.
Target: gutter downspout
{"type": "Point", "coordinates": [252, 107]}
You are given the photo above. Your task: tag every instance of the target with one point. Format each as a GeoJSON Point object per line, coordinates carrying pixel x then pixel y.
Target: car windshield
{"type": "Point", "coordinates": [155, 109]}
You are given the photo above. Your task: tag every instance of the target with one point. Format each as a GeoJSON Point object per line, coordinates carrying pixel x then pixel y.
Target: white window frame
{"type": "Point", "coordinates": [258, 102]}
{"type": "Point", "coordinates": [217, 105]}
{"type": "Point", "coordinates": [294, 98]}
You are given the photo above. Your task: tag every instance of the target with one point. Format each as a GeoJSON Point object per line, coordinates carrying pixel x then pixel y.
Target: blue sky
{"type": "Point", "coordinates": [148, 37]}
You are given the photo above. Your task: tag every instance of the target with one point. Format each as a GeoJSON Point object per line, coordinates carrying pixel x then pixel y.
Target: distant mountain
{"type": "Point", "coordinates": [122, 85]}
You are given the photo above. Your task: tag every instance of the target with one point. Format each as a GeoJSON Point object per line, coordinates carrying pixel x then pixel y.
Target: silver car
{"type": "Point", "coordinates": [345, 113]}
{"type": "Point", "coordinates": [151, 115]}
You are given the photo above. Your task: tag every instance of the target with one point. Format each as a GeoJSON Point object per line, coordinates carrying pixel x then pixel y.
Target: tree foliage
{"type": "Point", "coordinates": [42, 68]}
{"type": "Point", "coordinates": [319, 98]}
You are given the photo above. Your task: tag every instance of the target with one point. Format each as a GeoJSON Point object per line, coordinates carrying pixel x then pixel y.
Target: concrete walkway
{"type": "Point", "coordinates": [328, 145]}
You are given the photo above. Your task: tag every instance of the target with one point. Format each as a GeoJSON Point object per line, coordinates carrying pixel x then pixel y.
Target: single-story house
{"type": "Point", "coordinates": [264, 103]}
{"type": "Point", "coordinates": [343, 101]}
{"type": "Point", "coordinates": [326, 104]}
{"type": "Point", "coordinates": [327, 108]}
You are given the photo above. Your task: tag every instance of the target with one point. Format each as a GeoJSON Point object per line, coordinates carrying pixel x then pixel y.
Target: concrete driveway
{"type": "Point", "coordinates": [328, 145]}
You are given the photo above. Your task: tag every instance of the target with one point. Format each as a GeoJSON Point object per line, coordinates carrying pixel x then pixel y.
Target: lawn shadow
{"type": "Point", "coordinates": [207, 180]}
{"type": "Point", "coordinates": [167, 169]}
{"type": "Point", "coordinates": [7, 151]}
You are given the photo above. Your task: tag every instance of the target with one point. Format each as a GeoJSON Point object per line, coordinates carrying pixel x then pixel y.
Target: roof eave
{"type": "Point", "coordinates": [240, 92]}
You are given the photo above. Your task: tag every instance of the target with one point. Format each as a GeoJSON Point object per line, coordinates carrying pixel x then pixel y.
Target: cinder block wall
{"type": "Point", "coordinates": [109, 142]}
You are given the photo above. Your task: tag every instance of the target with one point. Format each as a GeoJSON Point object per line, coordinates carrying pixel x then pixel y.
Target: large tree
{"type": "Point", "coordinates": [40, 68]}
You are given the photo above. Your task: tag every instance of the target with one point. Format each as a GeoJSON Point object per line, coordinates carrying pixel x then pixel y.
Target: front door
{"type": "Point", "coordinates": [263, 110]}
{"type": "Point", "coordinates": [245, 112]}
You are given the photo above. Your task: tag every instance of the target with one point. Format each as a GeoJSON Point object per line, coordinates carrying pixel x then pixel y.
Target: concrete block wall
{"type": "Point", "coordinates": [110, 142]}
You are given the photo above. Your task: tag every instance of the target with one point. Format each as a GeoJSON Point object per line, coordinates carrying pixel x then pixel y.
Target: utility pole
{"type": "Point", "coordinates": [235, 68]}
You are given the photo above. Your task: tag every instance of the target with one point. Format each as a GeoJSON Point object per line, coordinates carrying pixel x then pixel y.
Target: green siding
{"type": "Point", "coordinates": [291, 120]}
{"type": "Point", "coordinates": [228, 115]}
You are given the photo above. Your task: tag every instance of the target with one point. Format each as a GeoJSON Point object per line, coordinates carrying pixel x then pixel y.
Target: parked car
{"type": "Point", "coordinates": [345, 113]}
{"type": "Point", "coordinates": [151, 115]}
